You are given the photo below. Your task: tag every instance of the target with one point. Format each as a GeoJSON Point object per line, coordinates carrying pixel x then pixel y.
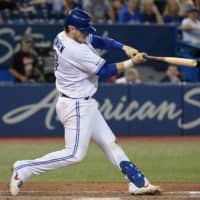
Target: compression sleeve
{"type": "Point", "coordinates": [104, 43]}
{"type": "Point", "coordinates": [107, 70]}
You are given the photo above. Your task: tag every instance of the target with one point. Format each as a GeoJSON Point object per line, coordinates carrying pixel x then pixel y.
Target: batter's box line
{"type": "Point", "coordinates": [97, 198]}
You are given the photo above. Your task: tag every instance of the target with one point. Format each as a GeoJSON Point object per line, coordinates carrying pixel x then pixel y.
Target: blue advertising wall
{"type": "Point", "coordinates": [154, 39]}
{"type": "Point", "coordinates": [139, 109]}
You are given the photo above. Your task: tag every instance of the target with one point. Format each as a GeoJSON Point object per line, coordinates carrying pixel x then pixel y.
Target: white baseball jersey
{"type": "Point", "coordinates": [76, 65]}
{"type": "Point", "coordinates": [75, 70]}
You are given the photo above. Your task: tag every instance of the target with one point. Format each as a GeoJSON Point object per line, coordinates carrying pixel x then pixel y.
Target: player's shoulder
{"type": "Point", "coordinates": [89, 39]}
{"type": "Point", "coordinates": [71, 48]}
{"type": "Point", "coordinates": [60, 36]}
{"type": "Point", "coordinates": [60, 42]}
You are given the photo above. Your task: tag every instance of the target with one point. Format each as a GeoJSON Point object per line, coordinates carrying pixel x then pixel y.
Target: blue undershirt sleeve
{"type": "Point", "coordinates": [107, 70]}
{"type": "Point", "coordinates": [104, 43]}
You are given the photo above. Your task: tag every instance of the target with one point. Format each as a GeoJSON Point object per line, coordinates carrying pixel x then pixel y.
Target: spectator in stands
{"type": "Point", "coordinates": [24, 62]}
{"type": "Point", "coordinates": [151, 13]}
{"type": "Point", "coordinates": [9, 4]}
{"type": "Point", "coordinates": [197, 4]}
{"type": "Point", "coordinates": [191, 23]}
{"type": "Point", "coordinates": [99, 10]}
{"type": "Point", "coordinates": [55, 4]}
{"type": "Point", "coordinates": [185, 4]}
{"type": "Point", "coordinates": [131, 76]}
{"type": "Point", "coordinates": [173, 13]}
{"type": "Point", "coordinates": [67, 6]}
{"type": "Point", "coordinates": [130, 13]}
{"type": "Point", "coordinates": [161, 4]}
{"type": "Point", "coordinates": [173, 75]}
{"type": "Point", "coordinates": [117, 6]}
{"type": "Point", "coordinates": [13, 5]}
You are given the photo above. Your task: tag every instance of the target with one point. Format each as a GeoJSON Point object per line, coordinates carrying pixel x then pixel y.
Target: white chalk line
{"type": "Point", "coordinates": [175, 194]}
{"type": "Point", "coordinates": [98, 198]}
{"type": "Point", "coordinates": [184, 192]}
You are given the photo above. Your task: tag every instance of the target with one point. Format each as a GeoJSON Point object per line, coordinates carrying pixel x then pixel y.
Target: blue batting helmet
{"type": "Point", "coordinates": [80, 20]}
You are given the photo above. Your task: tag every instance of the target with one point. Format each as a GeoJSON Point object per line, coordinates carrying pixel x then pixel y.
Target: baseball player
{"type": "Point", "coordinates": [77, 67]}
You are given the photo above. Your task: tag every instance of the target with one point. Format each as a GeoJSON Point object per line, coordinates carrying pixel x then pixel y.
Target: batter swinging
{"type": "Point", "coordinates": [77, 67]}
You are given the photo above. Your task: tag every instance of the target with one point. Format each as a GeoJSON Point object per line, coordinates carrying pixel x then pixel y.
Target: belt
{"type": "Point", "coordinates": [64, 95]}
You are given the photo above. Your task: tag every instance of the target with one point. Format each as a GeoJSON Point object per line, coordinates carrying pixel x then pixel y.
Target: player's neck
{"type": "Point", "coordinates": [69, 35]}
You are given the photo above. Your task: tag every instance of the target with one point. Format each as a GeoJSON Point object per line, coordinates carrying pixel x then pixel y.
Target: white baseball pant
{"type": "Point", "coordinates": [82, 121]}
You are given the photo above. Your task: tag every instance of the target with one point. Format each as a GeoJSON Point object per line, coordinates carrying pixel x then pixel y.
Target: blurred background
{"type": "Point", "coordinates": [158, 27]}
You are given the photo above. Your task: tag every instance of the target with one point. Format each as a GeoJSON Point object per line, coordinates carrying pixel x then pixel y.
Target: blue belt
{"type": "Point", "coordinates": [64, 95]}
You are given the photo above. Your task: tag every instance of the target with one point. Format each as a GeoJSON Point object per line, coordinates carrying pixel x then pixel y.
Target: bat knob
{"type": "Point", "coordinates": [145, 56]}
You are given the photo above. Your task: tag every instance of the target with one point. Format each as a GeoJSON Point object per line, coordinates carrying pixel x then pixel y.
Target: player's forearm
{"type": "Point", "coordinates": [105, 43]}
{"type": "Point", "coordinates": [109, 70]}
{"type": "Point", "coordinates": [108, 43]}
{"type": "Point", "coordinates": [122, 66]}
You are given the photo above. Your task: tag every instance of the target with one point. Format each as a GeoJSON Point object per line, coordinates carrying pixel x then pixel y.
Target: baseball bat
{"type": "Point", "coordinates": [175, 60]}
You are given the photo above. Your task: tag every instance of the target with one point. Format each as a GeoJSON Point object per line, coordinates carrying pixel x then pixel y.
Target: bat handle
{"type": "Point", "coordinates": [145, 56]}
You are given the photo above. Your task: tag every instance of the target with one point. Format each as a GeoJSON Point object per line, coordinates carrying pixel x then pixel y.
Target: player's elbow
{"type": "Point", "coordinates": [107, 70]}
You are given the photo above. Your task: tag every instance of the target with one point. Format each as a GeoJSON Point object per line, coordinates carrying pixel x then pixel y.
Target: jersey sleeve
{"type": "Point", "coordinates": [104, 43]}
{"type": "Point", "coordinates": [89, 61]}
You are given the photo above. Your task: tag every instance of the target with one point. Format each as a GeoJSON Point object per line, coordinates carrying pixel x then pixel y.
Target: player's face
{"type": "Point", "coordinates": [78, 35]}
{"type": "Point", "coordinates": [81, 37]}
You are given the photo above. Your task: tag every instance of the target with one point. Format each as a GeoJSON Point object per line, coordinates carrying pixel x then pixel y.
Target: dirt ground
{"type": "Point", "coordinates": [98, 191]}
{"type": "Point", "coordinates": [50, 140]}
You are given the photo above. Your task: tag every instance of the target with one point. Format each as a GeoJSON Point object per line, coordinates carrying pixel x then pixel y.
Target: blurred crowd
{"type": "Point", "coordinates": [101, 11]}
{"type": "Point", "coordinates": [183, 13]}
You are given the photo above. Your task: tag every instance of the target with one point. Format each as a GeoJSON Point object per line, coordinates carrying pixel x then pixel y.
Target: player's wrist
{"type": "Point", "coordinates": [128, 63]}
{"type": "Point", "coordinates": [124, 47]}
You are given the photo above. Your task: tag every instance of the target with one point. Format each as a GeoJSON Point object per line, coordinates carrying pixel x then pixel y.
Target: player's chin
{"type": "Point", "coordinates": [81, 39]}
